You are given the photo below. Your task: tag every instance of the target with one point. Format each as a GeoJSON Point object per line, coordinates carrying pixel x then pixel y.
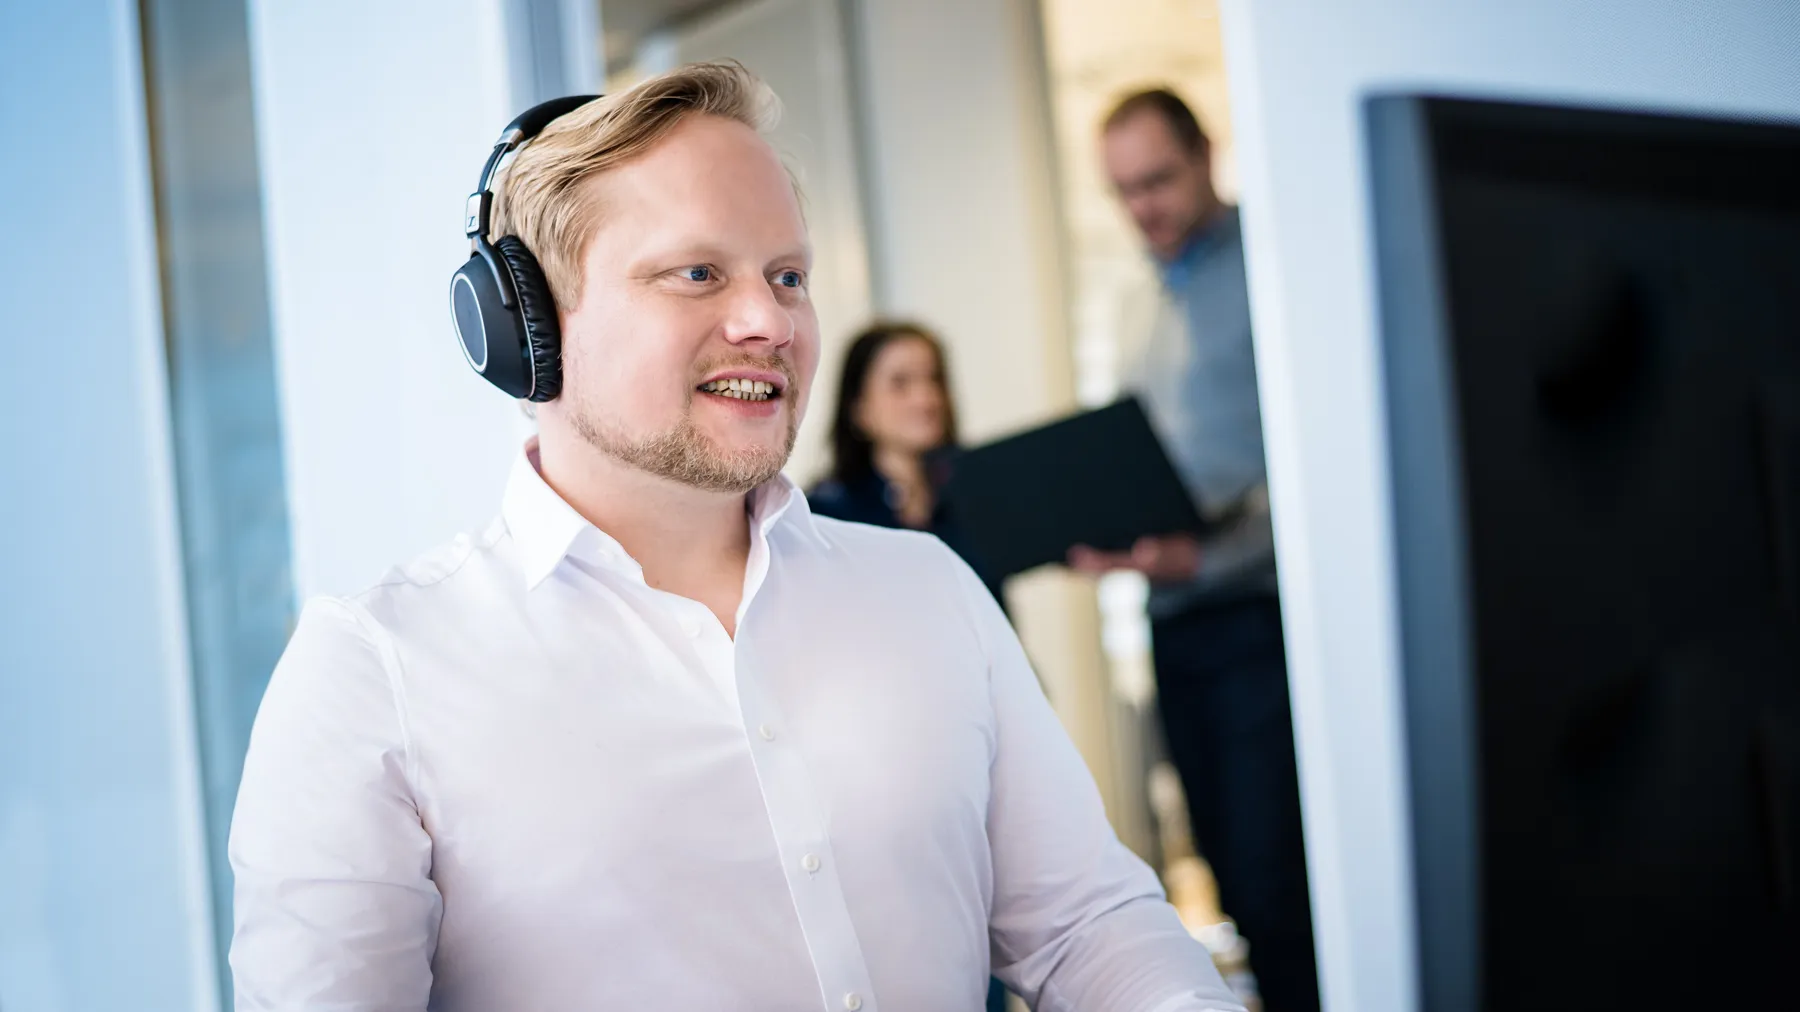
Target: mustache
{"type": "Point", "coordinates": [769, 363]}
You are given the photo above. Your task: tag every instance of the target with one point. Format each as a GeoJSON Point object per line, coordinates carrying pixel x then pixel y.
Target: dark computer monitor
{"type": "Point", "coordinates": [1591, 331]}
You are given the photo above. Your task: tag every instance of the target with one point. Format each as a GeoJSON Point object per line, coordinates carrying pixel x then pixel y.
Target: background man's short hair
{"type": "Point", "coordinates": [1165, 103]}
{"type": "Point", "coordinates": [540, 196]}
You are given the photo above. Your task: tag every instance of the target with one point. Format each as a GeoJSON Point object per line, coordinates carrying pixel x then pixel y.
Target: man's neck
{"type": "Point", "coordinates": [1206, 222]}
{"type": "Point", "coordinates": [689, 542]}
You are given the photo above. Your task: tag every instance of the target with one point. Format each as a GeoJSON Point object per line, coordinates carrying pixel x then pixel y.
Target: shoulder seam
{"type": "Point", "coordinates": [383, 642]}
{"type": "Point", "coordinates": [401, 575]}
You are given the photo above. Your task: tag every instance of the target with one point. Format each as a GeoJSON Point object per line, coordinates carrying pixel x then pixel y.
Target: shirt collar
{"type": "Point", "coordinates": [548, 530]}
{"type": "Point", "coordinates": [779, 500]}
{"type": "Point", "coordinates": [543, 526]}
{"type": "Point", "coordinates": [1175, 273]}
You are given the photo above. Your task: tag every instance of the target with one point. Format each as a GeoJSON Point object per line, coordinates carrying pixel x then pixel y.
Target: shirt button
{"type": "Point", "coordinates": [767, 732]}
{"type": "Point", "coordinates": [853, 1001]}
{"type": "Point", "coordinates": [810, 862]}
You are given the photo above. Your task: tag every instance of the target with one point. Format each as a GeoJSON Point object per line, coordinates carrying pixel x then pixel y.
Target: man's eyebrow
{"type": "Point", "coordinates": [701, 251]}
{"type": "Point", "coordinates": [686, 252]}
{"type": "Point", "coordinates": [802, 253]}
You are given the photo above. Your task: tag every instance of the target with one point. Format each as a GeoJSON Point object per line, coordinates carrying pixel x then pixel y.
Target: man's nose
{"type": "Point", "coordinates": [758, 317]}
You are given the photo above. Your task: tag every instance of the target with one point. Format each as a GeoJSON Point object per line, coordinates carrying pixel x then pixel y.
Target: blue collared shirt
{"type": "Point", "coordinates": [1197, 378]}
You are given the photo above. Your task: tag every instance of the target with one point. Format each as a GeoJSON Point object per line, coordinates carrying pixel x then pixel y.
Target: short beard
{"type": "Point", "coordinates": [683, 454]}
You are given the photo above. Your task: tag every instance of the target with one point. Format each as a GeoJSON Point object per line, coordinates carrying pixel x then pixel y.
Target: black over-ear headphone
{"type": "Point", "coordinates": [499, 299]}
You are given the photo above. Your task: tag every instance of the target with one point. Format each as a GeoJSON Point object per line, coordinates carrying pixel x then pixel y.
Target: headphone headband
{"type": "Point", "coordinates": [478, 212]}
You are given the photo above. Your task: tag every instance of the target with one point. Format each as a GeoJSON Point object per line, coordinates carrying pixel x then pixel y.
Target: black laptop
{"type": "Point", "coordinates": [1099, 478]}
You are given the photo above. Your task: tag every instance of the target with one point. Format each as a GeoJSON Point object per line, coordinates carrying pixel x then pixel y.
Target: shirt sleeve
{"type": "Point", "coordinates": [1078, 921]}
{"type": "Point", "coordinates": [335, 907]}
{"type": "Point", "coordinates": [1245, 543]}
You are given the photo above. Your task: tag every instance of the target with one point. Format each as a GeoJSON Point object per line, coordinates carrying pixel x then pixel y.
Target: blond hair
{"type": "Point", "coordinates": [539, 197]}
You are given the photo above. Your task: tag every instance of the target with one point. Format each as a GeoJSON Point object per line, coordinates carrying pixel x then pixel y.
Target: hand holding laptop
{"type": "Point", "coordinates": [1169, 558]}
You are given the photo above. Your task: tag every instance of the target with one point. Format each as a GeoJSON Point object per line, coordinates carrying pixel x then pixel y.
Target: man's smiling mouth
{"type": "Point", "coordinates": [742, 389]}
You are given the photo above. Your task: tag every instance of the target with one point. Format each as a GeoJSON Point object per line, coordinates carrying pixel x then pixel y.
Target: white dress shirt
{"type": "Point", "coordinates": [514, 777]}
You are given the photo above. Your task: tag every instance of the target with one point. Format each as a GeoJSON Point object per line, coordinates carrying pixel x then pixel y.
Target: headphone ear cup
{"type": "Point", "coordinates": [537, 311]}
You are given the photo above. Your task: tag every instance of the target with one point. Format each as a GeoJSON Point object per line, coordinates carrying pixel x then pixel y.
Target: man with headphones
{"type": "Point", "coordinates": [657, 737]}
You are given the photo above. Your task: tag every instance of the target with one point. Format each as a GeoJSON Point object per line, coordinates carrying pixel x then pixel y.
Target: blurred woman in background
{"type": "Point", "coordinates": [893, 436]}
{"type": "Point", "coordinates": [893, 441]}
{"type": "Point", "coordinates": [893, 411]}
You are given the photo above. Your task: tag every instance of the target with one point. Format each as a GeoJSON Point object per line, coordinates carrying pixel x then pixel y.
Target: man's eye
{"type": "Point", "coordinates": [701, 273]}
{"type": "Point", "coordinates": [790, 279]}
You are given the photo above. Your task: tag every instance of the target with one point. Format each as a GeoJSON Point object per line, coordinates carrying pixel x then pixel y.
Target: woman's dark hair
{"type": "Point", "coordinates": [852, 454]}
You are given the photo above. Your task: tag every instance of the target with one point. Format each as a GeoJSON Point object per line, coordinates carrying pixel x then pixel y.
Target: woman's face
{"type": "Point", "coordinates": [903, 405]}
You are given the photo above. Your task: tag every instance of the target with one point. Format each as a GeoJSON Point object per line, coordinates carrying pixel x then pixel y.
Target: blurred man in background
{"type": "Point", "coordinates": [1216, 621]}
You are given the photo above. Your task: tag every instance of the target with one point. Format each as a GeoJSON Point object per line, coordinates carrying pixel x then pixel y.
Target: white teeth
{"type": "Point", "coordinates": [740, 389]}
